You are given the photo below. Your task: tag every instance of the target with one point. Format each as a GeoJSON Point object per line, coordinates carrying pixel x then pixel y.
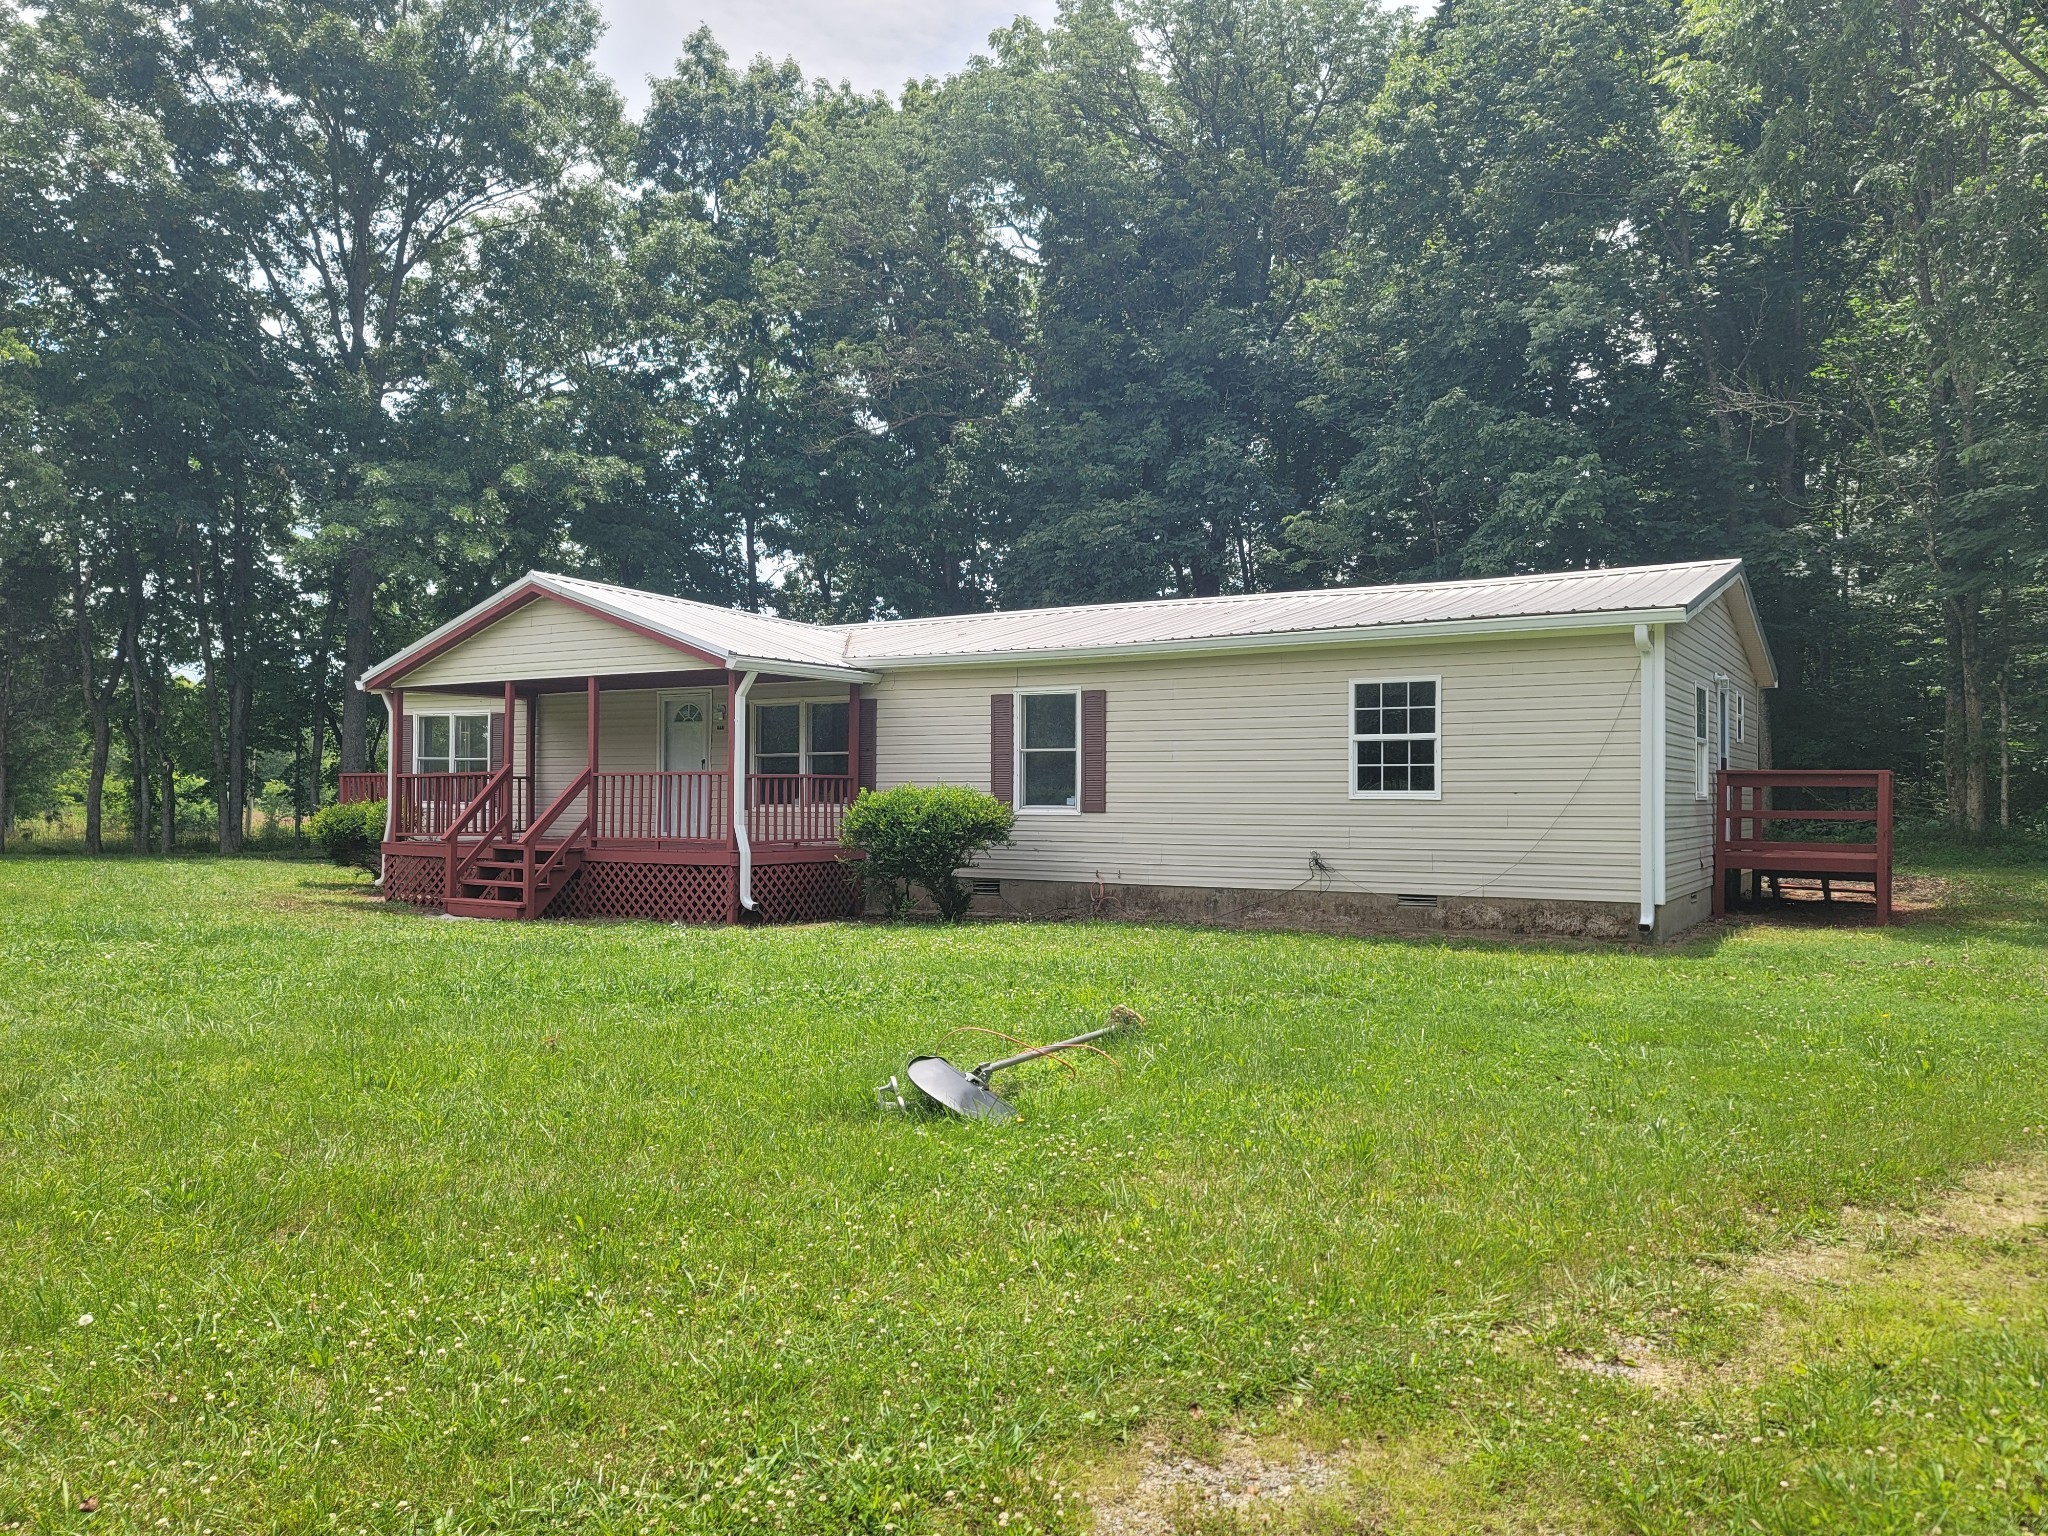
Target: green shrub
{"type": "Point", "coordinates": [352, 834]}
{"type": "Point", "coordinates": [924, 837]}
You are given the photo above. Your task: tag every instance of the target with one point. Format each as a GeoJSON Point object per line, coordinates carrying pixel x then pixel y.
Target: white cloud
{"type": "Point", "coordinates": [874, 44]}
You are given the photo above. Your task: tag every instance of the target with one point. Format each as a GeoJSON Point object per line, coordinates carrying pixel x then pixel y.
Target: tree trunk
{"type": "Point", "coordinates": [6, 719]}
{"type": "Point", "coordinates": [238, 762]}
{"type": "Point", "coordinates": [131, 640]}
{"type": "Point", "coordinates": [356, 658]}
{"type": "Point", "coordinates": [167, 805]}
{"type": "Point", "coordinates": [316, 773]}
{"type": "Point", "coordinates": [97, 700]}
{"type": "Point", "coordinates": [1964, 759]}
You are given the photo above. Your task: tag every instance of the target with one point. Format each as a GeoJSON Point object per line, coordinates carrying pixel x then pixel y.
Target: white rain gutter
{"type": "Point", "coordinates": [1650, 646]}
{"type": "Point", "coordinates": [390, 772]}
{"type": "Point", "coordinates": [741, 834]}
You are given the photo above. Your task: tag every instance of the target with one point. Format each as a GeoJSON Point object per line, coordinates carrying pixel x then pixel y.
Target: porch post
{"type": "Point", "coordinates": [532, 738]}
{"type": "Point", "coordinates": [852, 739]}
{"type": "Point", "coordinates": [396, 700]}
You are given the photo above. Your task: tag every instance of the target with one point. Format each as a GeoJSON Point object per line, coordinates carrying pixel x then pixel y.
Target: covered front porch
{"type": "Point", "coordinates": [686, 796]}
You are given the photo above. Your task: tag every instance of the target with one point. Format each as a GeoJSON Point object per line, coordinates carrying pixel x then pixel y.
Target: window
{"type": "Point", "coordinates": [1050, 751]}
{"type": "Point", "coordinates": [1741, 706]}
{"type": "Point", "coordinates": [1703, 762]}
{"type": "Point", "coordinates": [1394, 738]}
{"type": "Point", "coordinates": [828, 739]}
{"type": "Point", "coordinates": [451, 743]}
{"type": "Point", "coordinates": [805, 737]}
{"type": "Point", "coordinates": [779, 738]}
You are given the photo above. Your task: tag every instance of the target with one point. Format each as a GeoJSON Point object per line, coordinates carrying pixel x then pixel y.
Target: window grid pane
{"type": "Point", "coordinates": [1394, 737]}
{"type": "Point", "coordinates": [779, 735]}
{"type": "Point", "coordinates": [1051, 777]}
{"type": "Point", "coordinates": [828, 731]}
{"type": "Point", "coordinates": [472, 743]}
{"type": "Point", "coordinates": [431, 733]}
{"type": "Point", "coordinates": [1051, 720]}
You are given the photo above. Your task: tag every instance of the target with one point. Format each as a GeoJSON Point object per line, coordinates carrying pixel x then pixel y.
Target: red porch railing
{"type": "Point", "coordinates": [1745, 815]}
{"type": "Point", "coordinates": [796, 809]}
{"type": "Point", "coordinates": [360, 786]}
{"type": "Point", "coordinates": [428, 804]}
{"type": "Point", "coordinates": [783, 809]}
{"type": "Point", "coordinates": [662, 807]}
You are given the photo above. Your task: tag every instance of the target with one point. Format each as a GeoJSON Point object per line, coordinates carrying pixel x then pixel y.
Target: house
{"type": "Point", "coordinates": [1531, 754]}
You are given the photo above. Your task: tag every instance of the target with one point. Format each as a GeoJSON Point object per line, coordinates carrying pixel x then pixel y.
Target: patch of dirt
{"type": "Point", "coordinates": [1170, 1488]}
{"type": "Point", "coordinates": [1914, 897]}
{"type": "Point", "coordinates": [1633, 1360]}
{"type": "Point", "coordinates": [1910, 1249]}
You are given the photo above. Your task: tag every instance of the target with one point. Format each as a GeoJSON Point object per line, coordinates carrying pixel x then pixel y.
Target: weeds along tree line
{"type": "Point", "coordinates": [320, 319]}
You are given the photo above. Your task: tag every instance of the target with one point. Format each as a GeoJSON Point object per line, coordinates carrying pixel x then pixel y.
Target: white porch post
{"type": "Point", "coordinates": [742, 834]}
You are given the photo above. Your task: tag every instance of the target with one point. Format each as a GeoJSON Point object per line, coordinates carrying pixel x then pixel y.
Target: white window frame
{"type": "Point", "coordinates": [421, 716]}
{"type": "Point", "coordinates": [1352, 739]}
{"type": "Point", "coordinates": [1017, 750]}
{"type": "Point", "coordinates": [1702, 741]}
{"type": "Point", "coordinates": [803, 735]}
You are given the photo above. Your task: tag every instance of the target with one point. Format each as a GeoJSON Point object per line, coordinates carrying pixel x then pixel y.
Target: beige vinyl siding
{"type": "Point", "coordinates": [1232, 769]}
{"type": "Point", "coordinates": [547, 639]}
{"type": "Point", "coordinates": [626, 741]}
{"type": "Point", "coordinates": [1694, 652]}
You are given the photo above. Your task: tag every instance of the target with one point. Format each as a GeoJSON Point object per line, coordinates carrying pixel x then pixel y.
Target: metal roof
{"type": "Point", "coordinates": [729, 633]}
{"type": "Point", "coordinates": [1507, 602]}
{"type": "Point", "coordinates": [1489, 605]}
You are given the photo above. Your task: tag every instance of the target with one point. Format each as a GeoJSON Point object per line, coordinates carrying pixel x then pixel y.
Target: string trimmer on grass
{"type": "Point", "coordinates": [935, 1083]}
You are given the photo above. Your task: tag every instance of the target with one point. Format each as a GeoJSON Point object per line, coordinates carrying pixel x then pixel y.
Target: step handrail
{"type": "Point", "coordinates": [535, 873]}
{"type": "Point", "coordinates": [458, 863]}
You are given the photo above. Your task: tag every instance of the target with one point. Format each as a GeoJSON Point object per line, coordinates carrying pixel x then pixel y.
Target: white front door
{"type": "Point", "coordinates": [685, 732]}
{"type": "Point", "coordinates": [692, 742]}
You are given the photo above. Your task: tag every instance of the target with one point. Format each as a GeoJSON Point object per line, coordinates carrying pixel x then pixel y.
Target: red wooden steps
{"type": "Point", "coordinates": [503, 884]}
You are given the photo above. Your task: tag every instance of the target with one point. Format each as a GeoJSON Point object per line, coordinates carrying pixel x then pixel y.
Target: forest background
{"type": "Point", "coordinates": [321, 319]}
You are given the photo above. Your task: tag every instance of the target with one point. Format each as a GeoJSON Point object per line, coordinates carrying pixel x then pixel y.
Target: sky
{"type": "Point", "coordinates": [874, 44]}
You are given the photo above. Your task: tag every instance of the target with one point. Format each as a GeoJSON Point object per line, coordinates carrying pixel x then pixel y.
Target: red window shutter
{"type": "Point", "coordinates": [1002, 747]}
{"type": "Point", "coordinates": [867, 744]}
{"type": "Point", "coordinates": [405, 744]}
{"type": "Point", "coordinates": [1094, 750]}
{"type": "Point", "coordinates": [497, 742]}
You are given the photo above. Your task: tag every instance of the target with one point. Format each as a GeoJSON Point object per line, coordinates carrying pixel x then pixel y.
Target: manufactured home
{"type": "Point", "coordinates": [1528, 754]}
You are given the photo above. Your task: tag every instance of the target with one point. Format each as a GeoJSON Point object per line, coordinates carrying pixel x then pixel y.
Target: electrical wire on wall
{"type": "Point", "coordinates": [1318, 866]}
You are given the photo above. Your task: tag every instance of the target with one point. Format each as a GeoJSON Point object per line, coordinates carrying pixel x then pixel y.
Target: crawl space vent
{"type": "Point", "coordinates": [1415, 901]}
{"type": "Point", "coordinates": [988, 888]}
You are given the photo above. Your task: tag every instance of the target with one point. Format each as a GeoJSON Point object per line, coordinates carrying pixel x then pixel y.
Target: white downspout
{"type": "Point", "coordinates": [390, 770]}
{"type": "Point", "coordinates": [1650, 646]}
{"type": "Point", "coordinates": [740, 832]}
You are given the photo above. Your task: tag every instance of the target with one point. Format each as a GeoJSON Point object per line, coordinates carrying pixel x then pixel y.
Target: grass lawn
{"type": "Point", "coordinates": [320, 1216]}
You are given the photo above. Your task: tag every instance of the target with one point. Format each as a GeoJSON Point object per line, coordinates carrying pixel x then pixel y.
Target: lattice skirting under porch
{"type": "Point", "coordinates": [815, 892]}
{"type": "Point", "coordinates": [414, 879]}
{"type": "Point", "coordinates": [664, 893]}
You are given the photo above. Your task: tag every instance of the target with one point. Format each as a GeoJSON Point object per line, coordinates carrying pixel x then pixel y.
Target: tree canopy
{"type": "Point", "coordinates": [319, 319]}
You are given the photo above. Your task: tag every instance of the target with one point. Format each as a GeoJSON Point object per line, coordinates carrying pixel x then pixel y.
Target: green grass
{"type": "Point", "coordinates": [383, 1223]}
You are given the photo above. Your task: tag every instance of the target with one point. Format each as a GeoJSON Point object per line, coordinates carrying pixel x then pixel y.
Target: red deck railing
{"type": "Point", "coordinates": [663, 807]}
{"type": "Point", "coordinates": [783, 809]}
{"type": "Point", "coordinates": [1746, 812]}
{"type": "Point", "coordinates": [796, 809]}
{"type": "Point", "coordinates": [360, 786]}
{"type": "Point", "coordinates": [427, 804]}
